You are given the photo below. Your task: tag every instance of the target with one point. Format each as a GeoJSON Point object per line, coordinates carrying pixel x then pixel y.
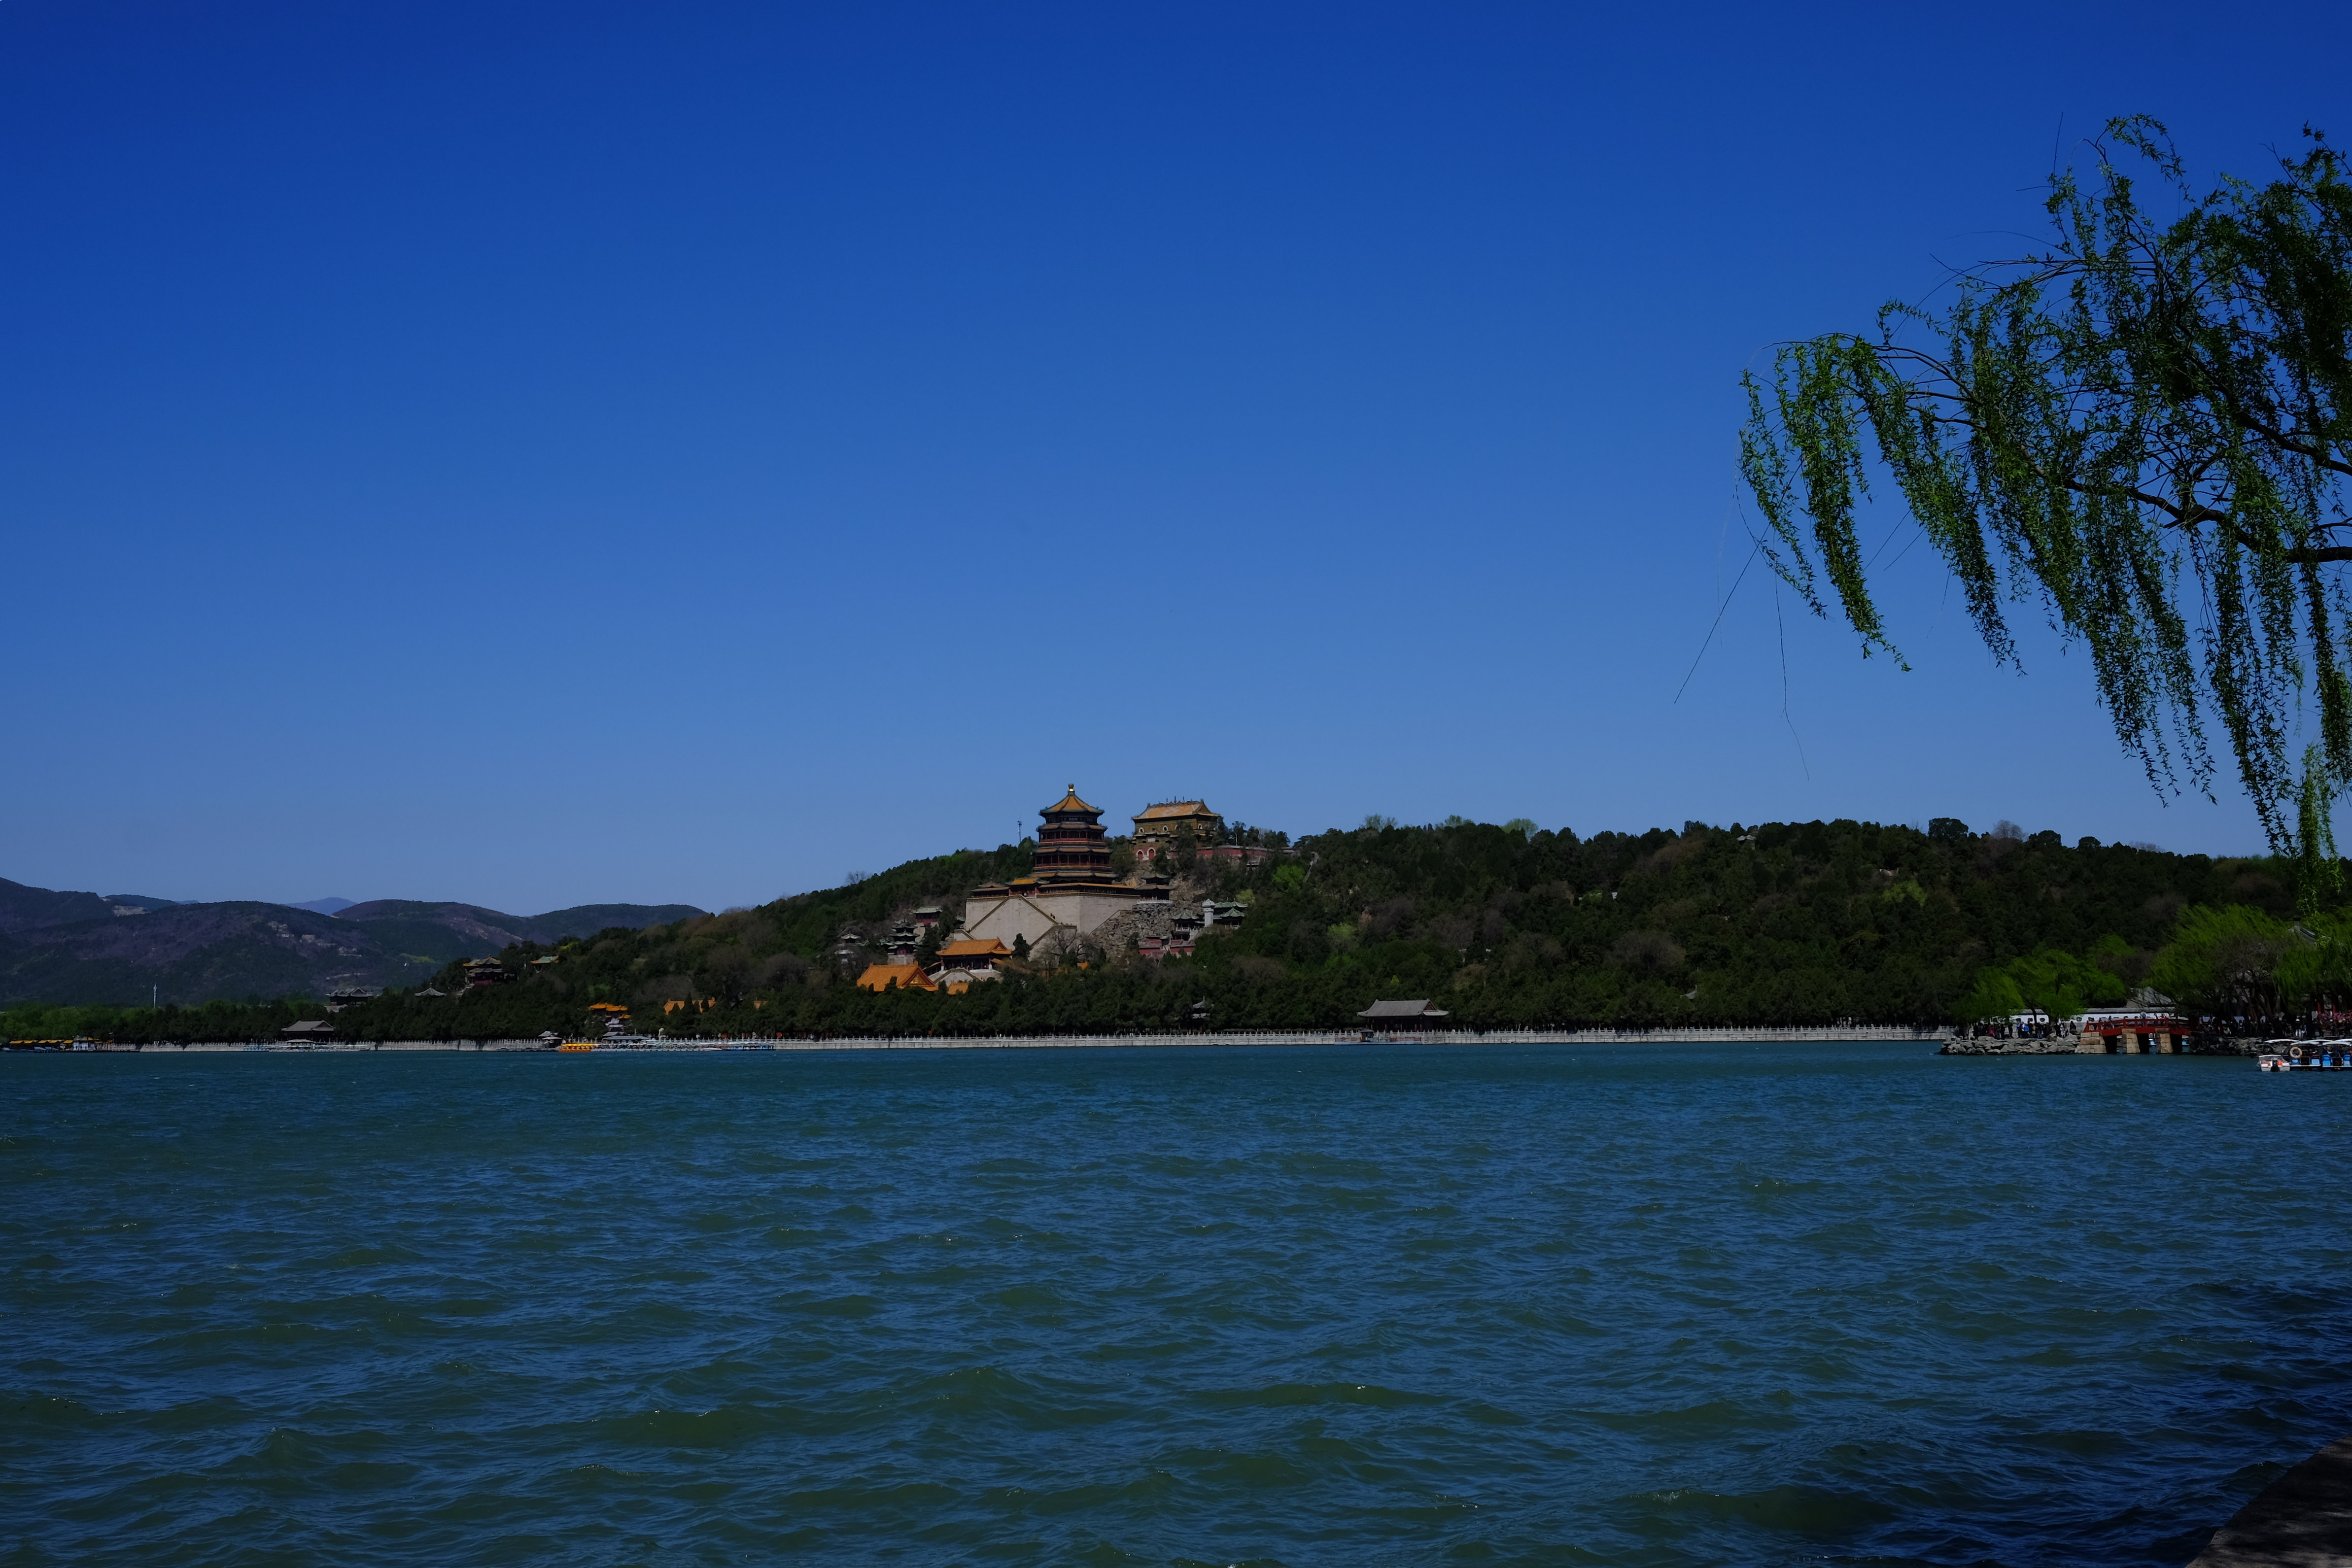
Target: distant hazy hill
{"type": "Point", "coordinates": [435, 933]}
{"type": "Point", "coordinates": [22, 908]}
{"type": "Point", "coordinates": [77, 947]}
{"type": "Point", "coordinates": [324, 906]}
{"type": "Point", "coordinates": [196, 952]}
{"type": "Point", "coordinates": [587, 919]}
{"type": "Point", "coordinates": [446, 932]}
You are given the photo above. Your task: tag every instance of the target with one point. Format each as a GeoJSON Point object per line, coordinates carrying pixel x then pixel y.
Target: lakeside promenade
{"type": "Point", "coordinates": [1857, 1033]}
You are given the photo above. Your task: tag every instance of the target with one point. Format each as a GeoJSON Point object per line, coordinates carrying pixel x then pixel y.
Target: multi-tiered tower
{"type": "Point", "coordinates": [1069, 884]}
{"type": "Point", "coordinates": [1071, 849]}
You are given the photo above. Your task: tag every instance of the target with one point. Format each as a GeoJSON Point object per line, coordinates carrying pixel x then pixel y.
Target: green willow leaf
{"type": "Point", "coordinates": [2147, 429]}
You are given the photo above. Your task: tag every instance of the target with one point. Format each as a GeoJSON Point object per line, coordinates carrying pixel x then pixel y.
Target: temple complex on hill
{"type": "Point", "coordinates": [1156, 824]}
{"type": "Point", "coordinates": [1157, 828]}
{"type": "Point", "coordinates": [1070, 886]}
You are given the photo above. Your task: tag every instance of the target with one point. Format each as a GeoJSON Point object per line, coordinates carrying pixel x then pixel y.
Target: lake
{"type": "Point", "coordinates": [1337, 1305]}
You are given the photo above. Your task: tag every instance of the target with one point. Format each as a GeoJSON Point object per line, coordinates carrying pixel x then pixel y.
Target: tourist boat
{"type": "Point", "coordinates": [2314, 1056]}
{"type": "Point", "coordinates": [611, 1039]}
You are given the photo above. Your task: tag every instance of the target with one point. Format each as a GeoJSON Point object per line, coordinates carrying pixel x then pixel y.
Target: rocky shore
{"type": "Point", "coordinates": [1964, 1045]}
{"type": "Point", "coordinates": [2069, 1045]}
{"type": "Point", "coordinates": [2302, 1520]}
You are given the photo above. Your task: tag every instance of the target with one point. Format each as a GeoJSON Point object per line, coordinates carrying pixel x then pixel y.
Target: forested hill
{"type": "Point", "coordinates": [78, 949]}
{"type": "Point", "coordinates": [1783, 922]}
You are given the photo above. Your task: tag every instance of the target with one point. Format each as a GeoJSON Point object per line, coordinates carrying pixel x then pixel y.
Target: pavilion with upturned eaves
{"type": "Point", "coordinates": [1172, 828]}
{"type": "Point", "coordinates": [1069, 887]}
{"type": "Point", "coordinates": [1158, 824]}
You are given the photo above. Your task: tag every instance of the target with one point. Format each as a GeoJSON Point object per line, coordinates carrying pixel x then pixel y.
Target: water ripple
{"type": "Point", "coordinates": [1537, 1305]}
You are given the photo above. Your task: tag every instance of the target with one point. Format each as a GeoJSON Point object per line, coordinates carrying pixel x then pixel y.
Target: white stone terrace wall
{"type": "Point", "coordinates": [1237, 1036]}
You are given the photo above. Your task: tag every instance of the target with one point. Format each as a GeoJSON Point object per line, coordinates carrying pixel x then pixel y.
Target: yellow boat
{"type": "Point", "coordinates": [577, 1045]}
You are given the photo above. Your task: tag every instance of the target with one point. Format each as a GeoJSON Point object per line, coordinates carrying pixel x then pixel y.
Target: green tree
{"type": "Point", "coordinates": [2147, 419]}
{"type": "Point", "coordinates": [2227, 961]}
{"type": "Point", "coordinates": [2048, 980]}
{"type": "Point", "coordinates": [2319, 875]}
{"type": "Point", "coordinates": [1995, 996]}
{"type": "Point", "coordinates": [2063, 985]}
{"type": "Point", "coordinates": [2318, 973]}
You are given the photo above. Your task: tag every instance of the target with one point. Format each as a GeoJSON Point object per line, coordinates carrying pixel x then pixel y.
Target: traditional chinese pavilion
{"type": "Point", "coordinates": [1069, 885]}
{"type": "Point", "coordinates": [1156, 826]}
{"type": "Point", "coordinates": [1071, 848]}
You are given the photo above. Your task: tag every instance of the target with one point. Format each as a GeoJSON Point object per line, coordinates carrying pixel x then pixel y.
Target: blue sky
{"type": "Point", "coordinates": [537, 453]}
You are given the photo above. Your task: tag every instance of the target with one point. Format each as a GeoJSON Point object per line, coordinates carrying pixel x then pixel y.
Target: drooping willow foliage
{"type": "Point", "coordinates": [2148, 427]}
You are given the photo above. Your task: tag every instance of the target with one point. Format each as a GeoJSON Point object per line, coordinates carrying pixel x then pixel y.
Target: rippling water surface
{"type": "Point", "coordinates": [1307, 1306]}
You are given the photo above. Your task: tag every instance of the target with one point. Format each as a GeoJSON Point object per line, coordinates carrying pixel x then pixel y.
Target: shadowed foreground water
{"type": "Point", "coordinates": [1310, 1306]}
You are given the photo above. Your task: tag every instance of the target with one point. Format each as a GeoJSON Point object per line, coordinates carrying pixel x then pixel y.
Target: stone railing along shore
{"type": "Point", "coordinates": [2093, 1044]}
{"type": "Point", "coordinates": [1828, 1033]}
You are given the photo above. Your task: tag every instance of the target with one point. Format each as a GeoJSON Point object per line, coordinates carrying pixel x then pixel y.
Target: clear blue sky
{"type": "Point", "coordinates": [536, 454]}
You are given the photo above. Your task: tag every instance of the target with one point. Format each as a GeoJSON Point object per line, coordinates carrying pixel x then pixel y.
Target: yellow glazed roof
{"type": "Point", "coordinates": [882, 977]}
{"type": "Point", "coordinates": [1070, 803]}
{"type": "Point", "coordinates": [1177, 809]}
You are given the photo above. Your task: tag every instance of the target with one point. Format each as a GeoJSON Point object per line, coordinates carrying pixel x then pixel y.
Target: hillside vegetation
{"type": "Point", "coordinates": [1780, 923]}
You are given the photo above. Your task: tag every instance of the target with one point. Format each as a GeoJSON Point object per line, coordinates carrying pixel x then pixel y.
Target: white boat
{"type": "Point", "coordinates": [2306, 1056]}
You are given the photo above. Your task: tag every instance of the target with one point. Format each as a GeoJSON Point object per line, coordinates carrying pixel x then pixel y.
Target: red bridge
{"type": "Point", "coordinates": [2145, 1033]}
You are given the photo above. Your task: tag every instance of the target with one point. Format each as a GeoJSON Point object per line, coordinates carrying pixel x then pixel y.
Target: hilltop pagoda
{"type": "Point", "coordinates": [1069, 885]}
{"type": "Point", "coordinates": [1071, 849]}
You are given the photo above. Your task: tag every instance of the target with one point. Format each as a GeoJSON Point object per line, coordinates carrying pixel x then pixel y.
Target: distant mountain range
{"type": "Point", "coordinates": [124, 948]}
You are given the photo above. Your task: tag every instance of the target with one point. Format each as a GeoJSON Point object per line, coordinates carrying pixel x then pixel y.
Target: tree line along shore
{"type": "Point", "coordinates": [1503, 926]}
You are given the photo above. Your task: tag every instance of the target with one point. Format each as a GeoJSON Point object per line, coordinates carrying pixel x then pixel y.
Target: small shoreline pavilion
{"type": "Point", "coordinates": [1070, 886]}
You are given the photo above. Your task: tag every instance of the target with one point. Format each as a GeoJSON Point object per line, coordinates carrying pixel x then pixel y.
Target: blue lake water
{"type": "Point", "coordinates": [1363, 1305]}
